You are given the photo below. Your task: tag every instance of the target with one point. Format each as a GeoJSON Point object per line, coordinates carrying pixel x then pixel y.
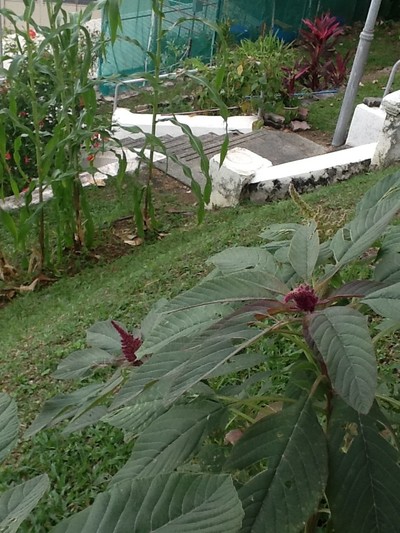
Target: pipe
{"type": "Point", "coordinates": [346, 111]}
{"type": "Point", "coordinates": [395, 68]}
{"type": "Point", "coordinates": [170, 75]}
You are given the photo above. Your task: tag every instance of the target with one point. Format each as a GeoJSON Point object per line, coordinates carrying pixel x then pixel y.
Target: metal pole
{"type": "Point", "coordinates": [357, 71]}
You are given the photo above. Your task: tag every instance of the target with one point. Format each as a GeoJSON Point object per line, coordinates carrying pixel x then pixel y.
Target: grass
{"type": "Point", "coordinates": [42, 327]}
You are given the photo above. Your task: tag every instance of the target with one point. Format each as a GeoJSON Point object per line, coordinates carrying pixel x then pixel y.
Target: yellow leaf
{"type": "Point", "coordinates": [239, 70]}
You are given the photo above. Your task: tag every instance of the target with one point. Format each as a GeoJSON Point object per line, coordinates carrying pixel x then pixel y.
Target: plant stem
{"type": "Point", "coordinates": [255, 400]}
{"type": "Point", "coordinates": [37, 141]}
{"type": "Point", "coordinates": [159, 15]}
{"type": "Point", "coordinates": [243, 415]}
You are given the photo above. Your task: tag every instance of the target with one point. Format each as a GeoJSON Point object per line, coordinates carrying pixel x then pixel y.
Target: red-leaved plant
{"type": "Point", "coordinates": [322, 67]}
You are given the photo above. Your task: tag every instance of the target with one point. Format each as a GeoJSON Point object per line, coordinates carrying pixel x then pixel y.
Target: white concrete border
{"type": "Point", "coordinates": [199, 124]}
{"type": "Point", "coordinates": [273, 183]}
{"type": "Point", "coordinates": [366, 125]}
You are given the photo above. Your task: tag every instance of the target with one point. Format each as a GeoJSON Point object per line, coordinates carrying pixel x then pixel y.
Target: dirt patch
{"type": "Point", "coordinates": [319, 137]}
{"type": "Point", "coordinates": [174, 206]}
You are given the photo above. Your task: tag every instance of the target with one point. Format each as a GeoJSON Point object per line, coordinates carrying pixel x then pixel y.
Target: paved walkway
{"type": "Point", "coordinates": [277, 146]}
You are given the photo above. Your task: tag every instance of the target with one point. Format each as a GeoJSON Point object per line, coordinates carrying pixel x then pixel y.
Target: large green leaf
{"type": "Point", "coordinates": [8, 425]}
{"type": "Point", "coordinates": [75, 404]}
{"type": "Point", "coordinates": [133, 419]}
{"type": "Point", "coordinates": [304, 250]}
{"type": "Point", "coordinates": [16, 503]}
{"type": "Point", "coordinates": [170, 440]}
{"type": "Point", "coordinates": [280, 232]}
{"type": "Point", "coordinates": [230, 337]}
{"type": "Point", "coordinates": [356, 289]}
{"type": "Point", "coordinates": [238, 363]}
{"type": "Point", "coordinates": [82, 363]}
{"type": "Point", "coordinates": [187, 361]}
{"type": "Point", "coordinates": [243, 258]}
{"type": "Point", "coordinates": [237, 287]}
{"type": "Point", "coordinates": [373, 214]}
{"type": "Point", "coordinates": [391, 241]}
{"type": "Point", "coordinates": [361, 233]}
{"type": "Point", "coordinates": [385, 302]}
{"type": "Point", "coordinates": [342, 338]}
{"type": "Point", "coordinates": [62, 407]}
{"type": "Point", "coordinates": [364, 478]}
{"type": "Point", "coordinates": [387, 269]}
{"type": "Point", "coordinates": [386, 189]}
{"type": "Point", "coordinates": [104, 336]}
{"type": "Point", "coordinates": [172, 326]}
{"type": "Point", "coordinates": [292, 444]}
{"type": "Point", "coordinates": [168, 503]}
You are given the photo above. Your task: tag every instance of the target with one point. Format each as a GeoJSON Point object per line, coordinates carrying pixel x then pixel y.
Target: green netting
{"type": "Point", "coordinates": [194, 38]}
{"type": "Point", "coordinates": [186, 36]}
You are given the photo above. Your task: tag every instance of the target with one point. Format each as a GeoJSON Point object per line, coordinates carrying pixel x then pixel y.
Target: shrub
{"type": "Point", "coordinates": [251, 73]}
{"type": "Point", "coordinates": [319, 450]}
{"type": "Point", "coordinates": [322, 67]}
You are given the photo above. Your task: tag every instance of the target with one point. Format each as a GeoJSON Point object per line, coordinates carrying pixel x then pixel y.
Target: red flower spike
{"type": "Point", "coordinates": [130, 344]}
{"type": "Point", "coordinates": [8, 156]}
{"type": "Point", "coordinates": [304, 297]}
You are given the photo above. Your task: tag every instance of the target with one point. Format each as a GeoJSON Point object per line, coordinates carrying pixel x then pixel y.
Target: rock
{"type": "Point", "coordinates": [274, 120]}
{"type": "Point", "coordinates": [299, 125]}
{"type": "Point", "coordinates": [372, 101]}
{"type": "Point", "coordinates": [142, 108]}
{"type": "Point", "coordinates": [302, 113]}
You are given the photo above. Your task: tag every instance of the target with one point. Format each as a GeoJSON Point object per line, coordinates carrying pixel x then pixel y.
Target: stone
{"type": "Point", "coordinates": [388, 149]}
{"type": "Point", "coordinates": [302, 113]}
{"type": "Point", "coordinates": [142, 108]}
{"type": "Point", "coordinates": [274, 120]}
{"type": "Point", "coordinates": [372, 101]}
{"type": "Point", "coordinates": [228, 180]}
{"type": "Point", "coordinates": [299, 125]}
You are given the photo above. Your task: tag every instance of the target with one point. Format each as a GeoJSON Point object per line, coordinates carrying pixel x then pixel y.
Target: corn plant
{"type": "Point", "coordinates": [216, 445]}
{"type": "Point", "coordinates": [51, 111]}
{"type": "Point", "coordinates": [143, 207]}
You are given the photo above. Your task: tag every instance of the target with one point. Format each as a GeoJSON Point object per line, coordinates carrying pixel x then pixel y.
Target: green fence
{"type": "Point", "coordinates": [194, 38]}
{"type": "Point", "coordinates": [190, 38]}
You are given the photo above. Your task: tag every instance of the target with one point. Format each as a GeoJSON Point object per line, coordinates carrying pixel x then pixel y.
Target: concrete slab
{"type": "Point", "coordinates": [273, 183]}
{"type": "Point", "coordinates": [277, 146]}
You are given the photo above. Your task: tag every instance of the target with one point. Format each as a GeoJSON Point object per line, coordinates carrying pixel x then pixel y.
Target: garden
{"type": "Point", "coordinates": [241, 374]}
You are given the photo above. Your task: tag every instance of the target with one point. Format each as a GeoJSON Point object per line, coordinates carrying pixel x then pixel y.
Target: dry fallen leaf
{"type": "Point", "coordinates": [233, 436]}
{"type": "Point", "coordinates": [30, 287]}
{"type": "Point", "coordinates": [137, 241]}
